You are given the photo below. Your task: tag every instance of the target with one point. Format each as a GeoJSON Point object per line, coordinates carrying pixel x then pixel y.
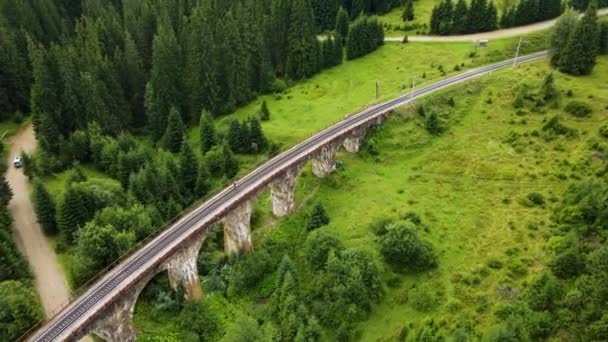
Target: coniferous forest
{"type": "Point", "coordinates": [115, 85]}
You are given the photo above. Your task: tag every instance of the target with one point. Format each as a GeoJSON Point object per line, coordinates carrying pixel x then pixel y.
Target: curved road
{"type": "Point", "coordinates": [510, 32]}
{"type": "Point", "coordinates": [84, 309]}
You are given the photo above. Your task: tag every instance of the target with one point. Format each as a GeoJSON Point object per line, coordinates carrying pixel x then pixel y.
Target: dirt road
{"type": "Point", "coordinates": [515, 31]}
{"type": "Point", "coordinates": [48, 274]}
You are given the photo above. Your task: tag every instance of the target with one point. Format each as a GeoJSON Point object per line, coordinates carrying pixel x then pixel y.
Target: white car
{"type": "Point", "coordinates": [17, 162]}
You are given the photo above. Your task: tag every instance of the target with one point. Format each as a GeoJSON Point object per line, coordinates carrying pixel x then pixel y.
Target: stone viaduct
{"type": "Point", "coordinates": [115, 321]}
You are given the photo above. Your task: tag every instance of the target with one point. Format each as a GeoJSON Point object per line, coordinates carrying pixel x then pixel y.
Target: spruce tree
{"type": "Point", "coordinates": [136, 81]}
{"type": "Point", "coordinates": [202, 184]}
{"type": "Point", "coordinates": [163, 91]}
{"type": "Point", "coordinates": [603, 44]}
{"type": "Point", "coordinates": [318, 217]}
{"type": "Point", "coordinates": [338, 50]}
{"type": "Point", "coordinates": [302, 50]}
{"type": "Point", "coordinates": [45, 208]}
{"type": "Point", "coordinates": [71, 214]}
{"type": "Point", "coordinates": [459, 23]}
{"type": "Point", "coordinates": [174, 134]}
{"type": "Point", "coordinates": [257, 140]}
{"type": "Point", "coordinates": [325, 13]}
{"type": "Point", "coordinates": [236, 138]}
{"type": "Point", "coordinates": [207, 132]}
{"type": "Point", "coordinates": [264, 112]}
{"type": "Point", "coordinates": [230, 163]}
{"type": "Point", "coordinates": [491, 17]}
{"type": "Point", "coordinates": [432, 124]}
{"type": "Point", "coordinates": [580, 52]}
{"type": "Point", "coordinates": [188, 171]}
{"type": "Point", "coordinates": [560, 35]}
{"type": "Point", "coordinates": [476, 20]}
{"type": "Point", "coordinates": [342, 23]}
{"type": "Point", "coordinates": [6, 193]}
{"type": "Point", "coordinates": [359, 7]}
{"type": "Point", "coordinates": [408, 12]}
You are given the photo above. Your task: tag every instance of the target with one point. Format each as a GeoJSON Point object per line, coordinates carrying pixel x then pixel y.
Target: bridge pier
{"type": "Point", "coordinates": [116, 322]}
{"type": "Point", "coordinates": [324, 161]}
{"type": "Point", "coordinates": [183, 270]}
{"type": "Point", "coordinates": [237, 229]}
{"type": "Point", "coordinates": [282, 191]}
{"type": "Point", "coordinates": [353, 142]}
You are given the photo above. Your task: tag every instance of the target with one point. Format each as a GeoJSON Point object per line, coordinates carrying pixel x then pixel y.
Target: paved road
{"type": "Point", "coordinates": [510, 32]}
{"type": "Point", "coordinates": [48, 275]}
{"type": "Point", "coordinates": [104, 291]}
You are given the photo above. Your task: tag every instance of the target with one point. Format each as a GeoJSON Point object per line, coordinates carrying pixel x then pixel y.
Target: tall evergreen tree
{"type": "Point", "coordinates": [257, 140]}
{"type": "Point", "coordinates": [174, 134]}
{"type": "Point", "coordinates": [491, 18]}
{"type": "Point", "coordinates": [318, 217]}
{"type": "Point", "coordinates": [6, 193]}
{"type": "Point", "coordinates": [360, 7]}
{"type": "Point", "coordinates": [579, 55]}
{"type": "Point", "coordinates": [135, 81]}
{"type": "Point", "coordinates": [325, 13]}
{"type": "Point", "coordinates": [236, 138]}
{"type": "Point", "coordinates": [279, 29]}
{"type": "Point", "coordinates": [476, 20]}
{"type": "Point", "coordinates": [264, 111]}
{"type": "Point", "coordinates": [603, 44]}
{"type": "Point", "coordinates": [207, 132]}
{"type": "Point", "coordinates": [231, 164]}
{"type": "Point", "coordinates": [461, 10]}
{"type": "Point", "coordinates": [71, 214]}
{"type": "Point", "coordinates": [163, 91]}
{"type": "Point", "coordinates": [188, 172]}
{"type": "Point", "coordinates": [302, 53]}
{"type": "Point", "coordinates": [408, 12]}
{"type": "Point", "coordinates": [560, 35]}
{"type": "Point", "coordinates": [342, 23]}
{"type": "Point", "coordinates": [45, 208]}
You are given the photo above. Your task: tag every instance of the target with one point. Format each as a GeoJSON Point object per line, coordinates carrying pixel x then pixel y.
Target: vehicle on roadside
{"type": "Point", "coordinates": [17, 162]}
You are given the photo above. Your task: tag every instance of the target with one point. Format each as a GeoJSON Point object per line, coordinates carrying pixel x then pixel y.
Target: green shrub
{"type": "Point", "coordinates": [604, 131]}
{"type": "Point", "coordinates": [578, 109]}
{"type": "Point", "coordinates": [404, 250]}
{"type": "Point", "coordinates": [318, 217]}
{"type": "Point", "coordinates": [318, 246]}
{"type": "Point", "coordinates": [543, 293]}
{"type": "Point", "coordinates": [536, 199]}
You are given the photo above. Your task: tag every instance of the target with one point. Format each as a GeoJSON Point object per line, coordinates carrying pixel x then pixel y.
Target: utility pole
{"type": "Point", "coordinates": [377, 90]}
{"type": "Point", "coordinates": [414, 77]}
{"type": "Point", "coordinates": [521, 40]}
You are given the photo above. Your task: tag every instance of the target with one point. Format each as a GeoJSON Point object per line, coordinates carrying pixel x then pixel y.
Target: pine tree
{"type": "Point", "coordinates": [490, 17]}
{"type": "Point", "coordinates": [279, 31]}
{"type": "Point", "coordinates": [264, 111]}
{"type": "Point", "coordinates": [560, 35]}
{"type": "Point", "coordinates": [231, 164]}
{"type": "Point", "coordinates": [45, 208]}
{"type": "Point", "coordinates": [432, 124]}
{"type": "Point", "coordinates": [325, 12]}
{"type": "Point", "coordinates": [163, 91]}
{"type": "Point", "coordinates": [71, 214]}
{"type": "Point", "coordinates": [435, 20]}
{"type": "Point", "coordinates": [6, 193]}
{"type": "Point", "coordinates": [202, 184]}
{"type": "Point", "coordinates": [257, 140]}
{"type": "Point", "coordinates": [318, 217]}
{"type": "Point", "coordinates": [174, 134]}
{"type": "Point", "coordinates": [476, 17]}
{"type": "Point", "coordinates": [236, 138]}
{"type": "Point", "coordinates": [360, 7]}
{"type": "Point", "coordinates": [603, 44]}
{"type": "Point", "coordinates": [342, 23]}
{"type": "Point", "coordinates": [580, 52]}
{"type": "Point", "coordinates": [302, 60]}
{"type": "Point", "coordinates": [201, 64]}
{"type": "Point", "coordinates": [459, 23]}
{"type": "Point", "coordinates": [338, 50]}
{"type": "Point", "coordinates": [188, 171]}
{"type": "Point", "coordinates": [136, 81]}
{"type": "Point", "coordinates": [207, 132]}
{"type": "Point", "coordinates": [408, 12]}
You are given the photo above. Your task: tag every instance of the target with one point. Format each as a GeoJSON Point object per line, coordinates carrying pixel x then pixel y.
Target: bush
{"type": "Point", "coordinates": [536, 199]}
{"type": "Point", "coordinates": [578, 109]}
{"type": "Point", "coordinates": [318, 246]}
{"type": "Point", "coordinates": [402, 248]}
{"type": "Point", "coordinates": [252, 269]}
{"type": "Point", "coordinates": [378, 225]}
{"type": "Point", "coordinates": [604, 131]}
{"type": "Point", "coordinates": [432, 124]}
{"type": "Point", "coordinates": [543, 293]}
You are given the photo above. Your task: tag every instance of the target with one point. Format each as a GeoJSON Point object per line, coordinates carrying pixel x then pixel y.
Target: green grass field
{"type": "Point", "coordinates": [469, 185]}
{"type": "Point", "coordinates": [315, 104]}
{"type": "Point", "coordinates": [394, 24]}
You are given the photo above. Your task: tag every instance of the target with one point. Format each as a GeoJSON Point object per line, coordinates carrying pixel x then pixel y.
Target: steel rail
{"type": "Point", "coordinates": [156, 251]}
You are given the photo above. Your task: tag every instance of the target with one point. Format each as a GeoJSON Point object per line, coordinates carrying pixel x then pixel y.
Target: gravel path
{"type": "Point", "coordinates": [48, 274]}
{"type": "Point", "coordinates": [515, 31]}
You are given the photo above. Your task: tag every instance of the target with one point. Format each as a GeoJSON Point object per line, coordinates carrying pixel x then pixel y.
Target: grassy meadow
{"type": "Point", "coordinates": [470, 187]}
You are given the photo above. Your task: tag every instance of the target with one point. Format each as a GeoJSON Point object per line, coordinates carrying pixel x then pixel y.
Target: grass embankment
{"type": "Point", "coordinates": [470, 187]}
{"type": "Point", "coordinates": [394, 24]}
